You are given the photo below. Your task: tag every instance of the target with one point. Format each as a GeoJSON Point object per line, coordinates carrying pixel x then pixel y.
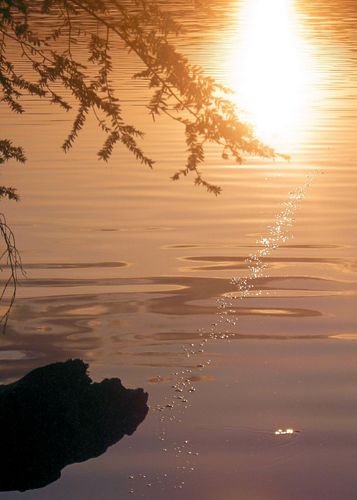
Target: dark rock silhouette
{"type": "Point", "coordinates": [55, 416]}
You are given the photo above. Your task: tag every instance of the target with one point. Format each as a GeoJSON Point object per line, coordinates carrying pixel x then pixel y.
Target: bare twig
{"type": "Point", "coordinates": [12, 263]}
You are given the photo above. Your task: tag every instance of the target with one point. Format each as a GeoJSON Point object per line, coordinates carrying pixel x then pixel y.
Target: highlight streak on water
{"type": "Point", "coordinates": [225, 327]}
{"type": "Point", "coordinates": [278, 234]}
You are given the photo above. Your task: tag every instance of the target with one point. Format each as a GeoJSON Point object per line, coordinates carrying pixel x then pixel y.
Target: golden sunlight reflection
{"type": "Point", "coordinates": [285, 432]}
{"type": "Point", "coordinates": [270, 71]}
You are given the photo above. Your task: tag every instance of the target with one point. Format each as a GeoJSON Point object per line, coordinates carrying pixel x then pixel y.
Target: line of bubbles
{"type": "Point", "coordinates": [183, 387]}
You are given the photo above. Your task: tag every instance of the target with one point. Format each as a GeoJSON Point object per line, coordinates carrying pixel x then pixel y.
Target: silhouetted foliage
{"type": "Point", "coordinates": [70, 56]}
{"type": "Point", "coordinates": [55, 416]}
{"type": "Point", "coordinates": [179, 89]}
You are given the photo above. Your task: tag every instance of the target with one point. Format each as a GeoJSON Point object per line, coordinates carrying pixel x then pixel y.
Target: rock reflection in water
{"type": "Point", "coordinates": [56, 416]}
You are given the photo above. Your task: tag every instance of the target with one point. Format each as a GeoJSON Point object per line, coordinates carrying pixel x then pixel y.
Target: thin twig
{"type": "Point", "coordinates": [14, 264]}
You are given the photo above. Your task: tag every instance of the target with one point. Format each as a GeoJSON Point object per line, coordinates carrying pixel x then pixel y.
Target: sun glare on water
{"type": "Point", "coordinates": [269, 70]}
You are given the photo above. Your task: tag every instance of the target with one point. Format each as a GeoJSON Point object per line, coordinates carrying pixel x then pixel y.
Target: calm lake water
{"type": "Point", "coordinates": [133, 273]}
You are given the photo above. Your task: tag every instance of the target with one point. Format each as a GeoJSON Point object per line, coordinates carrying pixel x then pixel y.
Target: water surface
{"type": "Point", "coordinates": [124, 270]}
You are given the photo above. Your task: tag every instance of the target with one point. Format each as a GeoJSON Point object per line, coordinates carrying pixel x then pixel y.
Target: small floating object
{"type": "Point", "coordinates": [284, 432]}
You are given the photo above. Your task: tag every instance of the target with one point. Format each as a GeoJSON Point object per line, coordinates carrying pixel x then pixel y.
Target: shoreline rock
{"type": "Point", "coordinates": [55, 416]}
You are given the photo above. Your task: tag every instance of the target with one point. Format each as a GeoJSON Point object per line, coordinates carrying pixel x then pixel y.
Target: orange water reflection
{"type": "Point", "coordinates": [271, 71]}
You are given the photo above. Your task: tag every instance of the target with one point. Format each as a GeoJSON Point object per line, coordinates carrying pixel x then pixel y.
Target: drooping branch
{"type": "Point", "coordinates": [180, 90]}
{"type": "Point", "coordinates": [10, 263]}
{"type": "Point", "coordinates": [68, 77]}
